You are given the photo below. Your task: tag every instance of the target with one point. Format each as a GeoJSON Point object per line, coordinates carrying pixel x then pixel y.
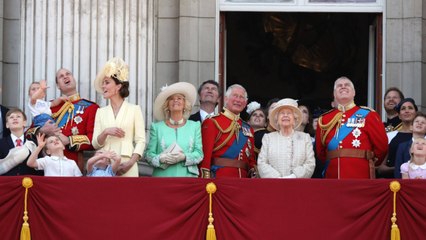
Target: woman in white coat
{"type": "Point", "coordinates": [119, 127]}
{"type": "Point", "coordinates": [286, 153]}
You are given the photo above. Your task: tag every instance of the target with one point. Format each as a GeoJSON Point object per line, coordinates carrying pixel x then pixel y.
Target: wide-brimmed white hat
{"type": "Point", "coordinates": [184, 88]}
{"type": "Point", "coordinates": [115, 67]}
{"type": "Point", "coordinates": [286, 103]}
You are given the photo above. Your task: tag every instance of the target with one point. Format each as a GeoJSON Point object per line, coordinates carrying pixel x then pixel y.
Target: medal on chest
{"type": "Point", "coordinates": [247, 132]}
{"type": "Point", "coordinates": [74, 131]}
{"type": "Point", "coordinates": [356, 143]}
{"type": "Point", "coordinates": [358, 121]}
{"type": "Point", "coordinates": [80, 110]}
{"type": "Point", "coordinates": [78, 119]}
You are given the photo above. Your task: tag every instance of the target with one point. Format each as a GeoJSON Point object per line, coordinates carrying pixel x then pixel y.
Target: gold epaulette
{"type": "Point", "coordinates": [326, 128]}
{"type": "Point", "coordinates": [398, 127]}
{"type": "Point", "coordinates": [368, 108]}
{"type": "Point", "coordinates": [233, 128]}
{"type": "Point", "coordinates": [67, 107]}
{"type": "Point", "coordinates": [230, 128]}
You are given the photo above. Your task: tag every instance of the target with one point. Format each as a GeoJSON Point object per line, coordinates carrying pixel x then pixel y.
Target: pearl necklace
{"type": "Point", "coordinates": [175, 123]}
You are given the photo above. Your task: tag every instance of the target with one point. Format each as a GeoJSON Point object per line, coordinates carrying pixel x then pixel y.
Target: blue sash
{"type": "Point", "coordinates": [344, 131]}
{"type": "Point", "coordinates": [234, 150]}
{"type": "Point", "coordinates": [65, 118]}
{"type": "Point", "coordinates": [80, 106]}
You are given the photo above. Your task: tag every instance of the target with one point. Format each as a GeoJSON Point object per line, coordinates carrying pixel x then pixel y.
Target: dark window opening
{"type": "Point", "coordinates": [297, 55]}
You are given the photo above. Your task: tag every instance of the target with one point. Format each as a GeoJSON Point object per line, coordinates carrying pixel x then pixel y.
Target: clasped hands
{"type": "Point", "coordinates": [172, 158]}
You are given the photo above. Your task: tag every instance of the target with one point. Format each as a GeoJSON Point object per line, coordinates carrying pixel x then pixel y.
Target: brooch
{"type": "Point", "coordinates": [78, 119]}
{"type": "Point", "coordinates": [356, 143]}
{"type": "Point", "coordinates": [74, 131]}
{"type": "Point", "coordinates": [356, 132]}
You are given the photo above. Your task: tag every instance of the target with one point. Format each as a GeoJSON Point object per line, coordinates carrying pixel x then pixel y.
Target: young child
{"type": "Point", "coordinates": [55, 163]}
{"type": "Point", "coordinates": [14, 149]}
{"type": "Point", "coordinates": [403, 153]}
{"type": "Point", "coordinates": [103, 164]}
{"type": "Point", "coordinates": [416, 167]}
{"type": "Point", "coordinates": [40, 109]}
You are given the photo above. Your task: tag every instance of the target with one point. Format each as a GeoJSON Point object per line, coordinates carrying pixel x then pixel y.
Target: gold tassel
{"type": "Point", "coordinates": [394, 187]}
{"type": "Point", "coordinates": [25, 230]}
{"type": "Point", "coordinates": [211, 234]}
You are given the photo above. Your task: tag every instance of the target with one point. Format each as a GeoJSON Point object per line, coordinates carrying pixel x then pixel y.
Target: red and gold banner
{"type": "Point", "coordinates": [178, 208]}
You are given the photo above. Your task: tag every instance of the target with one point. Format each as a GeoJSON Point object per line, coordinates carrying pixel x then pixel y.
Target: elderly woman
{"type": "Point", "coordinates": [119, 127]}
{"type": "Point", "coordinates": [175, 146]}
{"type": "Point", "coordinates": [286, 153]}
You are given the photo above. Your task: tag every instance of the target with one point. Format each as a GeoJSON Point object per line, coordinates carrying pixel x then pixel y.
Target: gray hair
{"type": "Point", "coordinates": [232, 87]}
{"type": "Point", "coordinates": [278, 112]}
{"type": "Point", "coordinates": [346, 78]}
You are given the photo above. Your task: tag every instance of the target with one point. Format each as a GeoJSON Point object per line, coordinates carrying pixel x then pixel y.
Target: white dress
{"type": "Point", "coordinates": [282, 156]}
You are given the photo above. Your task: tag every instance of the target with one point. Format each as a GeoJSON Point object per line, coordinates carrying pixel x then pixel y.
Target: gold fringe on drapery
{"type": "Point", "coordinates": [25, 230]}
{"type": "Point", "coordinates": [394, 187]}
{"type": "Point", "coordinates": [211, 234]}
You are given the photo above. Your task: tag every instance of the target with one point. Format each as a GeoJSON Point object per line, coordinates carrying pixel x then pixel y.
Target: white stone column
{"type": "Point", "coordinates": [10, 45]}
{"type": "Point", "coordinates": [81, 36]}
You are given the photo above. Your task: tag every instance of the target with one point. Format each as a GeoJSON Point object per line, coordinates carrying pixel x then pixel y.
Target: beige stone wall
{"type": "Point", "coordinates": [185, 42]}
{"type": "Point", "coordinates": [11, 87]}
{"type": "Point", "coordinates": [405, 42]}
{"type": "Point", "coordinates": [184, 46]}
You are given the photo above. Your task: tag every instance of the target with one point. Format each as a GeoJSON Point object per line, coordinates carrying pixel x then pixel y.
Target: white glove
{"type": "Point", "coordinates": [175, 158]}
{"type": "Point", "coordinates": [166, 157]}
{"type": "Point", "coordinates": [179, 156]}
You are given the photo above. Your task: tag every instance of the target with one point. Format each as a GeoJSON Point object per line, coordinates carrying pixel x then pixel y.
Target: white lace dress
{"type": "Point", "coordinates": [281, 156]}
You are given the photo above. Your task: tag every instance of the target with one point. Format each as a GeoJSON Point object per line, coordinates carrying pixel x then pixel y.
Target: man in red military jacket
{"type": "Point", "coordinates": [228, 142]}
{"type": "Point", "coordinates": [350, 139]}
{"type": "Point", "coordinates": [75, 119]}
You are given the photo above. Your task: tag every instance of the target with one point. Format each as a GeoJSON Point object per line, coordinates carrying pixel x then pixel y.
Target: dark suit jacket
{"type": "Point", "coordinates": [402, 156]}
{"type": "Point", "coordinates": [195, 117]}
{"type": "Point", "coordinates": [6, 144]}
{"type": "Point", "coordinates": [6, 131]}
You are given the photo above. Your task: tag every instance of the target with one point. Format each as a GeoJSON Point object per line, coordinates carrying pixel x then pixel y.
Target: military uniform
{"type": "Point", "coordinates": [393, 124]}
{"type": "Point", "coordinates": [76, 118]}
{"type": "Point", "coordinates": [348, 140]}
{"type": "Point", "coordinates": [228, 147]}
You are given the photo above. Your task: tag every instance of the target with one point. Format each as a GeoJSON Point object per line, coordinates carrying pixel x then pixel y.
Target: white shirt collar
{"type": "Point", "coordinates": [56, 158]}
{"type": "Point", "coordinates": [15, 137]}
{"type": "Point", "coordinates": [204, 114]}
{"type": "Point", "coordinates": [415, 166]}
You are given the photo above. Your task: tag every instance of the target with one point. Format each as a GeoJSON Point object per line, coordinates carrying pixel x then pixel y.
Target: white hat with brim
{"type": "Point", "coordinates": [184, 88]}
{"type": "Point", "coordinates": [286, 103]}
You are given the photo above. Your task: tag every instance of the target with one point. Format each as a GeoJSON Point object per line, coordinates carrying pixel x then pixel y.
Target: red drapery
{"type": "Point", "coordinates": [177, 208]}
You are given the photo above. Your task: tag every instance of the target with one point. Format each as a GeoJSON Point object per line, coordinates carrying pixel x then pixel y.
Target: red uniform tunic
{"type": "Point", "coordinates": [214, 136]}
{"type": "Point", "coordinates": [76, 122]}
{"type": "Point", "coordinates": [370, 135]}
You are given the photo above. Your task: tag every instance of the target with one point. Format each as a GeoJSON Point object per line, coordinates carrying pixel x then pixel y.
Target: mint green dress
{"type": "Point", "coordinates": [188, 137]}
